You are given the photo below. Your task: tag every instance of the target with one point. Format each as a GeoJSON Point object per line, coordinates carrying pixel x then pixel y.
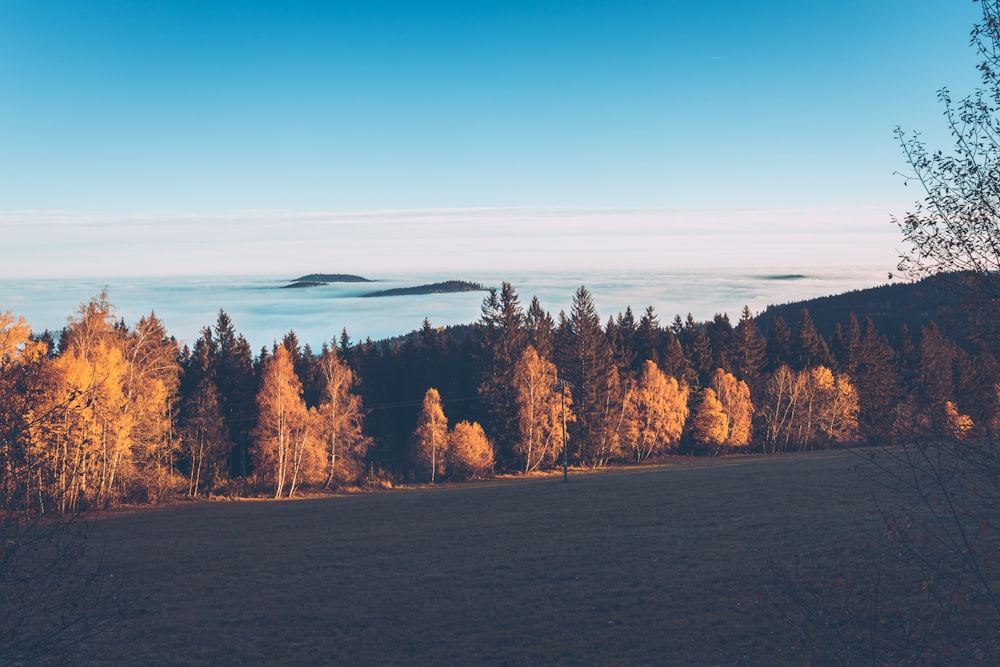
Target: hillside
{"type": "Point", "coordinates": [945, 299]}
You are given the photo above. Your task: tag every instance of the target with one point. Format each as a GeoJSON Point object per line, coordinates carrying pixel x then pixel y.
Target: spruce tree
{"type": "Point", "coordinates": [809, 350]}
{"type": "Point", "coordinates": [503, 337]}
{"type": "Point", "coordinates": [749, 350]}
{"type": "Point", "coordinates": [779, 344]}
{"type": "Point", "coordinates": [588, 363]}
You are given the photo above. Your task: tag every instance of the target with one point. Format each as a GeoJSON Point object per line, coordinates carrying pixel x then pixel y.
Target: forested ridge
{"type": "Point", "coordinates": [106, 412]}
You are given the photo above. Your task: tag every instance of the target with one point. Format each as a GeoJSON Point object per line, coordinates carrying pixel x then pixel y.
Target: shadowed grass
{"type": "Point", "coordinates": [657, 565]}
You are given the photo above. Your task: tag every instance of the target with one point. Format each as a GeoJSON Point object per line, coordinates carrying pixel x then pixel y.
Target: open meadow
{"type": "Point", "coordinates": [656, 565]}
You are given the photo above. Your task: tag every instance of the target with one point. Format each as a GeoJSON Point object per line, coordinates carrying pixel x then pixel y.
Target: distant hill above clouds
{"type": "Point", "coordinates": [332, 278]}
{"type": "Point", "coordinates": [432, 288]}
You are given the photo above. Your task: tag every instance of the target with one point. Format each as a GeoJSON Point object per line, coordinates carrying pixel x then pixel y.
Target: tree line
{"type": "Point", "coordinates": [108, 413]}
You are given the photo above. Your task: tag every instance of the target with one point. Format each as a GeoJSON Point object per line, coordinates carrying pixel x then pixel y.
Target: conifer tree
{"type": "Point", "coordinates": [720, 336]}
{"type": "Point", "coordinates": [846, 346]}
{"type": "Point", "coordinates": [647, 338]}
{"type": "Point", "coordinates": [540, 329]}
{"type": "Point", "coordinates": [808, 347]}
{"type": "Point", "coordinates": [779, 344]}
{"type": "Point", "coordinates": [588, 363]}
{"type": "Point", "coordinates": [621, 335]}
{"type": "Point", "coordinates": [502, 339]}
{"type": "Point", "coordinates": [673, 361]}
{"type": "Point", "coordinates": [874, 370]}
{"type": "Point", "coordinates": [937, 356]}
{"type": "Point", "coordinates": [205, 441]}
{"type": "Point", "coordinates": [698, 349]}
{"type": "Point", "coordinates": [237, 383]}
{"type": "Point", "coordinates": [750, 350]}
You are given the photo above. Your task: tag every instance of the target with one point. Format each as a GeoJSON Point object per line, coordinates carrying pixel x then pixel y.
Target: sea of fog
{"type": "Point", "coordinates": [263, 312]}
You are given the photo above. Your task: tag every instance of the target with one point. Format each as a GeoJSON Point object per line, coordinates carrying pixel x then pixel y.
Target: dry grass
{"type": "Point", "coordinates": [658, 565]}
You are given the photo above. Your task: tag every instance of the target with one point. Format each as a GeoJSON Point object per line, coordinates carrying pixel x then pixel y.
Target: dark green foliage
{"type": "Point", "coordinates": [540, 329]}
{"type": "Point", "coordinates": [720, 335]}
{"type": "Point", "coordinates": [587, 361]}
{"type": "Point", "coordinates": [622, 335]}
{"type": "Point", "coordinates": [809, 349]}
{"type": "Point", "coordinates": [872, 365]}
{"type": "Point", "coordinates": [207, 441]}
{"type": "Point", "coordinates": [779, 344]}
{"type": "Point", "coordinates": [749, 351]}
{"type": "Point", "coordinates": [502, 338]}
{"type": "Point", "coordinates": [698, 349]}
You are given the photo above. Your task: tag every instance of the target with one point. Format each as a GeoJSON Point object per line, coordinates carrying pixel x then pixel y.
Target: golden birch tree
{"type": "Point", "coordinates": [151, 385]}
{"type": "Point", "coordinates": [430, 439]}
{"type": "Point", "coordinates": [539, 411]}
{"type": "Point", "coordinates": [709, 424]}
{"type": "Point", "coordinates": [20, 360]}
{"type": "Point", "coordinates": [340, 419]}
{"type": "Point", "coordinates": [469, 452]}
{"type": "Point", "coordinates": [285, 449]}
{"type": "Point", "coordinates": [734, 395]}
{"type": "Point", "coordinates": [655, 413]}
{"type": "Point", "coordinates": [81, 426]}
{"type": "Point", "coordinates": [809, 408]}
{"type": "Point", "coordinates": [82, 420]}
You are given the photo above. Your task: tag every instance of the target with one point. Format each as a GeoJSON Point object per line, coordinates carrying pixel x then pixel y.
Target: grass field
{"type": "Point", "coordinates": [658, 565]}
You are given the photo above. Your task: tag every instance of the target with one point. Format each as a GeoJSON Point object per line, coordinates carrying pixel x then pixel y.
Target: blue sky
{"type": "Point", "coordinates": [159, 137]}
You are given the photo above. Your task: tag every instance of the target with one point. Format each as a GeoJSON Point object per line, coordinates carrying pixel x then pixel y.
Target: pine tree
{"type": "Point", "coordinates": [622, 334]}
{"type": "Point", "coordinates": [673, 361]}
{"type": "Point", "coordinates": [779, 344]}
{"type": "Point", "coordinates": [750, 350]}
{"type": "Point", "coordinates": [502, 339]}
{"type": "Point", "coordinates": [937, 356]}
{"type": "Point", "coordinates": [647, 338]}
{"type": "Point", "coordinates": [237, 382]}
{"type": "Point", "coordinates": [808, 347]}
{"type": "Point", "coordinates": [588, 363]}
{"type": "Point", "coordinates": [698, 349]}
{"type": "Point", "coordinates": [846, 346]}
{"type": "Point", "coordinates": [720, 336]}
{"type": "Point", "coordinates": [879, 385]}
{"type": "Point", "coordinates": [540, 329]}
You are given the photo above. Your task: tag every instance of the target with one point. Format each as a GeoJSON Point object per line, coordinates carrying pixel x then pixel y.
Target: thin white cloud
{"type": "Point", "coordinates": [61, 243]}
